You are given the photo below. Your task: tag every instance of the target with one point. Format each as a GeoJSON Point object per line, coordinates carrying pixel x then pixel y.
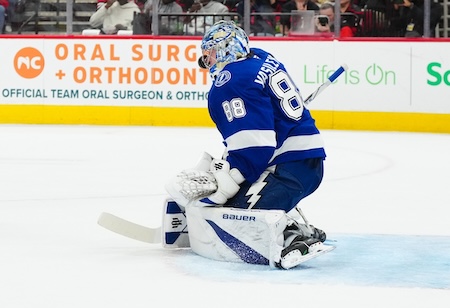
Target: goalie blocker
{"type": "Point", "coordinates": [235, 235]}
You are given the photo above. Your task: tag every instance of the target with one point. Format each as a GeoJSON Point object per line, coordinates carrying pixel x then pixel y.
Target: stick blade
{"type": "Point", "coordinates": [129, 229]}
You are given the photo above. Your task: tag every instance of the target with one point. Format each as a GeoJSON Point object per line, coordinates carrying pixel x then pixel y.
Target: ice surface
{"type": "Point", "coordinates": [385, 200]}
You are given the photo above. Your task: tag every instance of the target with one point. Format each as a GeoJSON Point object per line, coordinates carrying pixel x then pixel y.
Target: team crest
{"type": "Point", "coordinates": [222, 78]}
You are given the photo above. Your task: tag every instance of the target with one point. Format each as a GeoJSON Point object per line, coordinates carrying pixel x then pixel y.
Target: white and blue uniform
{"type": "Point", "coordinates": [265, 127]}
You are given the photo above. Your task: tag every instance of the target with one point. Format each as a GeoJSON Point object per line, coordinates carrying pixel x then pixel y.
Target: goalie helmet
{"type": "Point", "coordinates": [223, 43]}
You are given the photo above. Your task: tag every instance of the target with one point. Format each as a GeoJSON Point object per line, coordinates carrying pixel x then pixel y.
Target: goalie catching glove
{"type": "Point", "coordinates": [196, 184]}
{"type": "Point", "coordinates": [211, 188]}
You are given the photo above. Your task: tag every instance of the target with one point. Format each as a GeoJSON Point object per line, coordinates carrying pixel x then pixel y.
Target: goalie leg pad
{"type": "Point", "coordinates": [174, 226]}
{"type": "Point", "coordinates": [237, 235]}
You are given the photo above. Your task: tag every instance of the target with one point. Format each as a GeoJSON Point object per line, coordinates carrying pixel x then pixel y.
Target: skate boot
{"type": "Point", "coordinates": [318, 234]}
{"type": "Point", "coordinates": [301, 243]}
{"type": "Point", "coordinates": [294, 227]}
{"type": "Point", "coordinates": [299, 251]}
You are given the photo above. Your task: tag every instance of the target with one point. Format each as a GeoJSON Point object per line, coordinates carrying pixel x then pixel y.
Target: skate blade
{"type": "Point", "coordinates": [295, 257]}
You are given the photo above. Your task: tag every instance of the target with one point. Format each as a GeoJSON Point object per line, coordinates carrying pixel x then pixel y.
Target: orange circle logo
{"type": "Point", "coordinates": [29, 62]}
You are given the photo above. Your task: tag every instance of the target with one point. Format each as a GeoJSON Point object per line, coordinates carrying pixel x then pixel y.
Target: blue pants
{"type": "Point", "coordinates": [282, 189]}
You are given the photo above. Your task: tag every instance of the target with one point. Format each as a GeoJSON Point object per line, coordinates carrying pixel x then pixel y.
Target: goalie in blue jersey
{"type": "Point", "coordinates": [240, 207]}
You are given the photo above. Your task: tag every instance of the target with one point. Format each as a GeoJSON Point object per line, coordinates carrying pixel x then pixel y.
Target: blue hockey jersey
{"type": "Point", "coordinates": [259, 112]}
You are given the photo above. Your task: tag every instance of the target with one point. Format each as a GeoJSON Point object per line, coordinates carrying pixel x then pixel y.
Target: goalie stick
{"type": "Point", "coordinates": [324, 85]}
{"type": "Point", "coordinates": [130, 229]}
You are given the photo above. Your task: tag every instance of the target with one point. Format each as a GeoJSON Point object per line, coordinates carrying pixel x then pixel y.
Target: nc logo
{"type": "Point", "coordinates": [29, 62]}
{"type": "Point", "coordinates": [34, 63]}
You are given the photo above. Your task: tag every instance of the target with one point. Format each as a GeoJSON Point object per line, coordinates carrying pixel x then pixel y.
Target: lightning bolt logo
{"type": "Point", "coordinates": [255, 189]}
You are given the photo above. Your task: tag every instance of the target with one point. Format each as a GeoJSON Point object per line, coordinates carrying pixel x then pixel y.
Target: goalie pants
{"type": "Point", "coordinates": [281, 188]}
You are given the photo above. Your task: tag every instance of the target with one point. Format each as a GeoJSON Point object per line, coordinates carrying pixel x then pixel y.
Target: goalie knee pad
{"type": "Point", "coordinates": [237, 235]}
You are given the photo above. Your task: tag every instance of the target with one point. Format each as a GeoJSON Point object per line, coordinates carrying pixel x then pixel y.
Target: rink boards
{"type": "Point", "coordinates": [390, 85]}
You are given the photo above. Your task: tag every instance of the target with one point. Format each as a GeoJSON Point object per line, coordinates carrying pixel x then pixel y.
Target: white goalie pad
{"type": "Point", "coordinates": [237, 235]}
{"type": "Point", "coordinates": [174, 226]}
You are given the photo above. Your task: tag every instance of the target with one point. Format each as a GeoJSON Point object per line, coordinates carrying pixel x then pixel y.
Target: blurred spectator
{"type": "Point", "coordinates": [268, 5]}
{"type": "Point", "coordinates": [320, 2]}
{"type": "Point", "coordinates": [260, 24]}
{"type": "Point", "coordinates": [114, 15]}
{"type": "Point", "coordinates": [374, 17]}
{"type": "Point", "coordinates": [230, 4]}
{"type": "Point", "coordinates": [325, 20]}
{"type": "Point", "coordinates": [167, 25]}
{"type": "Point", "coordinates": [186, 4]}
{"type": "Point", "coordinates": [10, 11]}
{"type": "Point", "coordinates": [409, 15]}
{"type": "Point", "coordinates": [279, 4]}
{"type": "Point", "coordinates": [379, 5]}
{"type": "Point", "coordinates": [350, 18]}
{"type": "Point", "coordinates": [140, 3]}
{"type": "Point", "coordinates": [294, 5]}
{"type": "Point", "coordinates": [3, 6]}
{"type": "Point", "coordinates": [200, 24]}
{"type": "Point", "coordinates": [349, 21]}
{"type": "Point", "coordinates": [100, 3]}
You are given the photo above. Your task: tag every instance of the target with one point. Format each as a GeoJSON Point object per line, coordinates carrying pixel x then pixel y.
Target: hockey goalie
{"type": "Point", "coordinates": [240, 207]}
{"type": "Point", "coordinates": [236, 208]}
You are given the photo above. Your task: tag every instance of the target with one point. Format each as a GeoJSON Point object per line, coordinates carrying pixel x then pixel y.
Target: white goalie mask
{"type": "Point", "coordinates": [223, 43]}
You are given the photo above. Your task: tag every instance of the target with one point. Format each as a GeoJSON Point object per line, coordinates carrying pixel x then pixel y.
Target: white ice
{"type": "Point", "coordinates": [56, 180]}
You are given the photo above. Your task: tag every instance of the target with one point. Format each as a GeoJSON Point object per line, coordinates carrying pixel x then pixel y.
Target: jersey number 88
{"type": "Point", "coordinates": [290, 100]}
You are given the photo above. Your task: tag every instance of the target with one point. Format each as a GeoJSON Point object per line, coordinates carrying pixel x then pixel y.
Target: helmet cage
{"type": "Point", "coordinates": [229, 42]}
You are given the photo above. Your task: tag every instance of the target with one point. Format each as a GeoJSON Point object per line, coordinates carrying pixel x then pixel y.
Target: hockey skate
{"type": "Point", "coordinates": [302, 243]}
{"type": "Point", "coordinates": [295, 228]}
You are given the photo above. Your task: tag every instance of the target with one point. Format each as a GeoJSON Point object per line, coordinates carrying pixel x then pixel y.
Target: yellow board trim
{"type": "Point", "coordinates": [104, 115]}
{"type": "Point", "coordinates": [163, 116]}
{"type": "Point", "coordinates": [383, 121]}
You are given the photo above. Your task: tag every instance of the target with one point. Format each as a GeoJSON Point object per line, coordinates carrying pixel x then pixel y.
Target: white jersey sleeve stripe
{"type": "Point", "coordinates": [299, 143]}
{"type": "Point", "coordinates": [251, 138]}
